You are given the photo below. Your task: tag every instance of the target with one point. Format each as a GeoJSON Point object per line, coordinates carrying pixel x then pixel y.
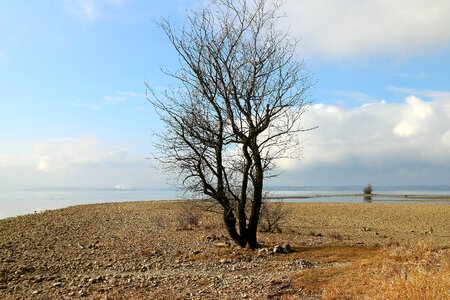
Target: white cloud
{"type": "Point", "coordinates": [346, 28]}
{"type": "Point", "coordinates": [74, 162]}
{"type": "Point", "coordinates": [12, 155]}
{"type": "Point", "coordinates": [132, 94]}
{"type": "Point", "coordinates": [405, 143]}
{"type": "Point", "coordinates": [57, 154]}
{"type": "Point", "coordinates": [415, 116]}
{"type": "Point", "coordinates": [377, 134]}
{"type": "Point", "coordinates": [445, 138]}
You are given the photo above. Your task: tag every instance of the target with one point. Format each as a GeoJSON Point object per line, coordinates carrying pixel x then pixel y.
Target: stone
{"type": "Point", "coordinates": [302, 264]}
{"type": "Point", "coordinates": [92, 280]}
{"type": "Point", "coordinates": [225, 261]}
{"type": "Point", "coordinates": [144, 268]}
{"type": "Point", "coordinates": [263, 251]}
{"type": "Point", "coordinates": [277, 249]}
{"type": "Point", "coordinates": [287, 248]}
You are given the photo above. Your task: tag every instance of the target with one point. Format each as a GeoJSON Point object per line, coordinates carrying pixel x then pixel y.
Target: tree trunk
{"type": "Point", "coordinates": [242, 214]}
{"type": "Point", "coordinates": [253, 221]}
{"type": "Point", "coordinates": [257, 200]}
{"type": "Point", "coordinates": [230, 223]}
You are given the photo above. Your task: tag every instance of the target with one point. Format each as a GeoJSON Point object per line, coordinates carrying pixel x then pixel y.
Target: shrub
{"type": "Point", "coordinates": [272, 216]}
{"type": "Point", "coordinates": [189, 216]}
{"type": "Point", "coordinates": [368, 189]}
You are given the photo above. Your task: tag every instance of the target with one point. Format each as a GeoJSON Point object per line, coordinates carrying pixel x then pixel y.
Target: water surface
{"type": "Point", "coordinates": [20, 202]}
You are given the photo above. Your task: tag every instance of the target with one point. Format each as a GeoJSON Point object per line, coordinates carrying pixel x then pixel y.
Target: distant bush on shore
{"type": "Point", "coordinates": [368, 189]}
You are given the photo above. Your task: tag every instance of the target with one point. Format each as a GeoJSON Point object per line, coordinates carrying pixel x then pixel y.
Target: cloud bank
{"type": "Point", "coordinates": [348, 28]}
{"type": "Point", "coordinates": [85, 161]}
{"type": "Point", "coordinates": [64, 154]}
{"type": "Point", "coordinates": [388, 143]}
{"type": "Point", "coordinates": [404, 143]}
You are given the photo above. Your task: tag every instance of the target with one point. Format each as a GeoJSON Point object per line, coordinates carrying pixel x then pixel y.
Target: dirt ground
{"type": "Point", "coordinates": [142, 250]}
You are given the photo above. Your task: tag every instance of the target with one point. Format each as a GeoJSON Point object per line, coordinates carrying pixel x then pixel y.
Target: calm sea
{"type": "Point", "coordinates": [20, 202]}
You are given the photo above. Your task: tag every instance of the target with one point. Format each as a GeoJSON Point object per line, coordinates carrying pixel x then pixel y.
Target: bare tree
{"type": "Point", "coordinates": [237, 107]}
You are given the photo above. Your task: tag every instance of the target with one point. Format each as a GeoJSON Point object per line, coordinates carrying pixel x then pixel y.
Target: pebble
{"type": "Point", "coordinates": [225, 261]}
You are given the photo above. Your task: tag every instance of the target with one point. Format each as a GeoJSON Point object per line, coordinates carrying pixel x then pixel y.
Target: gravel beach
{"type": "Point", "coordinates": [139, 250]}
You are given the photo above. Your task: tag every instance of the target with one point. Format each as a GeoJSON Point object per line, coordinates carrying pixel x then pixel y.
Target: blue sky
{"type": "Point", "coordinates": [73, 111]}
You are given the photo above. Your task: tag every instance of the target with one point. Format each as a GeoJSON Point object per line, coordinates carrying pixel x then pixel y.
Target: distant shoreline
{"type": "Point", "coordinates": [22, 202]}
{"type": "Point", "coordinates": [393, 197]}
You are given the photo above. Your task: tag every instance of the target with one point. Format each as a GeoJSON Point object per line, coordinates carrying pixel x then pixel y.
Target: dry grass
{"type": "Point", "coordinates": [416, 272]}
{"type": "Point", "coordinates": [419, 272]}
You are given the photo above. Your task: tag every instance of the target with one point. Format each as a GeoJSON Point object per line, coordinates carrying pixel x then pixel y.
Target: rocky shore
{"type": "Point", "coordinates": [138, 250]}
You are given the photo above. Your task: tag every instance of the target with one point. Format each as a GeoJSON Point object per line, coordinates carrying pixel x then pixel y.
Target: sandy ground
{"type": "Point", "coordinates": [139, 250]}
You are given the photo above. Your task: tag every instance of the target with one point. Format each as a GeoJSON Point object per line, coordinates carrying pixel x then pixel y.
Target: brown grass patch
{"type": "Point", "coordinates": [314, 281]}
{"type": "Point", "coordinates": [330, 254]}
{"type": "Point", "coordinates": [416, 272]}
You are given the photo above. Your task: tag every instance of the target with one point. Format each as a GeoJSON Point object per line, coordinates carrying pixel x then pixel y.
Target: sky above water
{"type": "Point", "coordinates": [73, 111]}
